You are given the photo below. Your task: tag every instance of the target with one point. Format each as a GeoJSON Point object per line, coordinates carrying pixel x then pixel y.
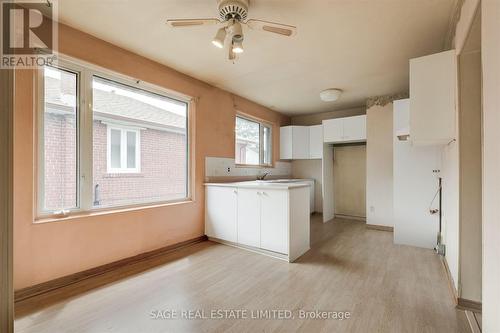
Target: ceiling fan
{"type": "Point", "coordinates": [233, 15]}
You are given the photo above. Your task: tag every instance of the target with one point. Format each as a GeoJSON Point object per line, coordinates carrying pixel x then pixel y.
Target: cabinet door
{"type": "Point", "coordinates": [316, 141]}
{"type": "Point", "coordinates": [249, 217]}
{"type": "Point", "coordinates": [433, 84]}
{"type": "Point", "coordinates": [300, 145]}
{"type": "Point", "coordinates": [274, 221]}
{"type": "Point", "coordinates": [354, 129]}
{"type": "Point", "coordinates": [333, 130]}
{"type": "Point", "coordinates": [286, 143]}
{"type": "Point", "coordinates": [220, 212]}
{"type": "Point", "coordinates": [401, 117]}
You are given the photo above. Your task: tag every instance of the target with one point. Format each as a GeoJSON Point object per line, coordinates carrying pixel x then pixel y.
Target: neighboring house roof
{"type": "Point", "coordinates": [112, 106]}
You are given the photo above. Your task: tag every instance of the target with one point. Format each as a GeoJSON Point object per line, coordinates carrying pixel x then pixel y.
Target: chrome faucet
{"type": "Point", "coordinates": [262, 176]}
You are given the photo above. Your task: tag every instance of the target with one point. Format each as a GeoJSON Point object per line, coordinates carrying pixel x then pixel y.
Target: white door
{"type": "Point", "coordinates": [354, 129]}
{"type": "Point", "coordinates": [249, 216]}
{"type": "Point", "coordinates": [220, 218]}
{"type": "Point", "coordinates": [274, 216]}
{"type": "Point", "coordinates": [300, 145]}
{"type": "Point", "coordinates": [316, 141]}
{"type": "Point", "coordinates": [333, 130]}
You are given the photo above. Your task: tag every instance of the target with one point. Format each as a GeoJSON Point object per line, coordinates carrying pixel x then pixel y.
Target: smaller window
{"type": "Point", "coordinates": [253, 142]}
{"type": "Point", "coordinates": [123, 150]}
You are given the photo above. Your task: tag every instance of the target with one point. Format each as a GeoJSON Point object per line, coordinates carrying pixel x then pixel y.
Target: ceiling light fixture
{"type": "Point", "coordinates": [219, 38]}
{"type": "Point", "coordinates": [237, 47]}
{"type": "Point", "coordinates": [330, 95]}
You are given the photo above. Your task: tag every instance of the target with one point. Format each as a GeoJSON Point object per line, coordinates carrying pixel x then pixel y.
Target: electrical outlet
{"type": "Point", "coordinates": [228, 169]}
{"type": "Point", "coordinates": [372, 209]}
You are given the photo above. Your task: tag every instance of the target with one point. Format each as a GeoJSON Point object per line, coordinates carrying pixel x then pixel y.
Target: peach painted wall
{"type": "Point", "coordinates": [44, 251]}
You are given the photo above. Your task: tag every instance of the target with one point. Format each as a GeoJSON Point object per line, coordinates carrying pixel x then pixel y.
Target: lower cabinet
{"type": "Point", "coordinates": [262, 219]}
{"type": "Point", "coordinates": [221, 212]}
{"type": "Point", "coordinates": [249, 217]}
{"type": "Point", "coordinates": [274, 221]}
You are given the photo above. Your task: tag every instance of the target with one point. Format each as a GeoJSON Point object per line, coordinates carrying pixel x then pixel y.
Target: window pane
{"type": "Point", "coordinates": [154, 162]}
{"type": "Point", "coordinates": [60, 140]}
{"type": "Point", "coordinates": [247, 141]}
{"type": "Point", "coordinates": [131, 137]}
{"type": "Point", "coordinates": [116, 138]}
{"type": "Point", "coordinates": [267, 144]}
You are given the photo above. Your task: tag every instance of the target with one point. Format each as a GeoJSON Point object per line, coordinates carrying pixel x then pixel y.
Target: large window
{"type": "Point", "coordinates": [128, 146]}
{"type": "Point", "coordinates": [253, 142]}
{"type": "Point", "coordinates": [59, 133]}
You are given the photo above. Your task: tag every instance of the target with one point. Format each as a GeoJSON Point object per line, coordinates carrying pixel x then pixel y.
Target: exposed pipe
{"type": "Point", "coordinates": [97, 195]}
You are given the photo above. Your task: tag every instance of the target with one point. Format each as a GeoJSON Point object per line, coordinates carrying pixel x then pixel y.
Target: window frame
{"type": "Point", "coordinates": [86, 72]}
{"type": "Point", "coordinates": [262, 124]}
{"type": "Point", "coordinates": [123, 149]}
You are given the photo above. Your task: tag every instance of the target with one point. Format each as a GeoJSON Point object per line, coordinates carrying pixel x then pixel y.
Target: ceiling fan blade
{"type": "Point", "coordinates": [277, 28]}
{"type": "Point", "coordinates": [184, 23]}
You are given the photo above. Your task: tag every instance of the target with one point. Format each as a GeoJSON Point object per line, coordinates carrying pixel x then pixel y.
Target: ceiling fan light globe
{"type": "Point", "coordinates": [219, 38]}
{"type": "Point", "coordinates": [238, 50]}
{"type": "Point", "coordinates": [218, 44]}
{"type": "Point", "coordinates": [237, 47]}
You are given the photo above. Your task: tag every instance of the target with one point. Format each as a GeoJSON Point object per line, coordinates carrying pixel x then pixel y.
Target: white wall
{"type": "Point", "coordinates": [328, 183]}
{"type": "Point", "coordinates": [415, 185]}
{"type": "Point", "coordinates": [379, 175]}
{"type": "Point", "coordinates": [450, 207]}
{"type": "Point", "coordinates": [450, 164]}
{"type": "Point", "coordinates": [311, 169]}
{"type": "Point", "coordinates": [491, 164]}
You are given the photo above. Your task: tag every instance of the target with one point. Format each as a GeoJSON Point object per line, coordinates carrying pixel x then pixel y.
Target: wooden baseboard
{"type": "Point", "coordinates": [473, 322]}
{"type": "Point", "coordinates": [64, 281]}
{"type": "Point", "coordinates": [467, 304]}
{"type": "Point", "coordinates": [451, 283]}
{"type": "Point", "coordinates": [379, 227]}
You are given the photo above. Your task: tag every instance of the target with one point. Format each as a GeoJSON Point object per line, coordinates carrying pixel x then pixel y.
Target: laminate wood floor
{"type": "Point", "coordinates": [384, 287]}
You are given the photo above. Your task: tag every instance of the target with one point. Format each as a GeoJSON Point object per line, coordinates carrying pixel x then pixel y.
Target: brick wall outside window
{"type": "Point", "coordinates": [162, 173]}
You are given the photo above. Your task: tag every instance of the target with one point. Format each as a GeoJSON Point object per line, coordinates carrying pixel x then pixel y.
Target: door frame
{"type": "Point", "coordinates": [6, 200]}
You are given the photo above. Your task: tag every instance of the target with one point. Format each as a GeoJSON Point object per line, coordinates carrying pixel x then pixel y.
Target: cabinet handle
{"type": "Point", "coordinates": [258, 193]}
{"type": "Point", "coordinates": [235, 192]}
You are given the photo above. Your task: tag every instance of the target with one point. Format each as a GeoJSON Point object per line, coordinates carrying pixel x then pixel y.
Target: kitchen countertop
{"type": "Point", "coordinates": [263, 184]}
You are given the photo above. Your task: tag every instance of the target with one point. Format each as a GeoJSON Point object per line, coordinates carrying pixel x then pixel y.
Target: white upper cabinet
{"type": "Point", "coordinates": [402, 121]}
{"type": "Point", "coordinates": [433, 89]}
{"type": "Point", "coordinates": [316, 141]}
{"type": "Point", "coordinates": [355, 129]}
{"type": "Point", "coordinates": [294, 142]}
{"type": "Point", "coordinates": [333, 130]}
{"type": "Point", "coordinates": [345, 130]}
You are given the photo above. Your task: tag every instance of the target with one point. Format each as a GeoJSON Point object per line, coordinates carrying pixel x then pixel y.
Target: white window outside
{"type": "Point", "coordinates": [123, 150]}
{"type": "Point", "coordinates": [253, 142]}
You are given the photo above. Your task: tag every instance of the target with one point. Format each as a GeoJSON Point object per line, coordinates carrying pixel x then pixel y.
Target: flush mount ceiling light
{"type": "Point", "coordinates": [233, 14]}
{"type": "Point", "coordinates": [330, 95]}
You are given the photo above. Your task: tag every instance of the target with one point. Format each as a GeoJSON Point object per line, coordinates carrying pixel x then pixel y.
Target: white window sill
{"type": "Point", "coordinates": [108, 211]}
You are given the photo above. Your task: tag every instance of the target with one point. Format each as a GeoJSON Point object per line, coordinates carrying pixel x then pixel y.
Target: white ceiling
{"type": "Point", "coordinates": [360, 46]}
